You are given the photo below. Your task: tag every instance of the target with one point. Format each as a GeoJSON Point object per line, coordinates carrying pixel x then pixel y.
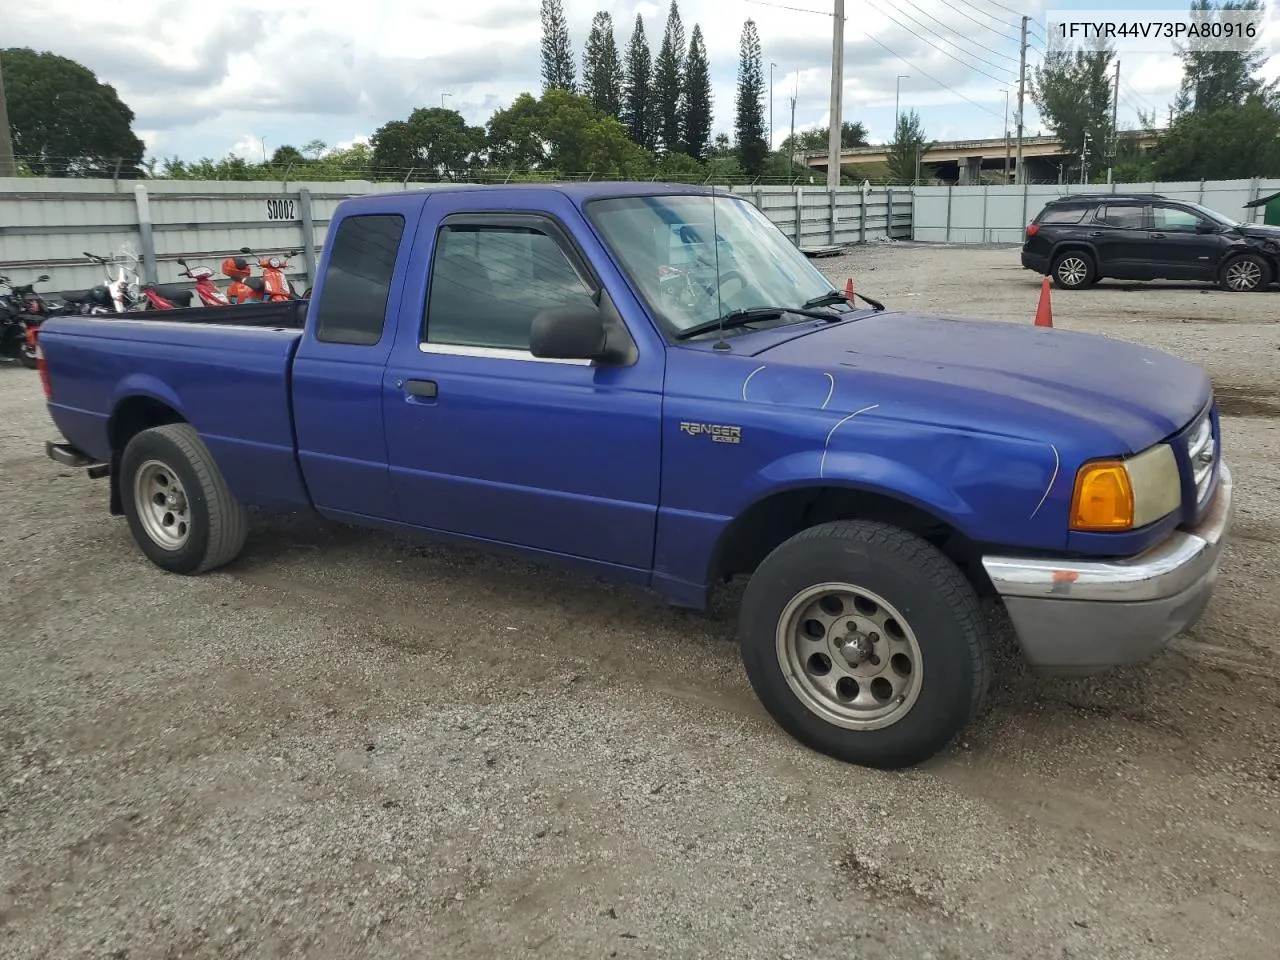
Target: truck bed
{"type": "Point", "coordinates": [230, 380]}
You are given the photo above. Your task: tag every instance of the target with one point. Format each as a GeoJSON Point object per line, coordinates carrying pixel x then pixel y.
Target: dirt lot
{"type": "Point", "coordinates": [345, 745]}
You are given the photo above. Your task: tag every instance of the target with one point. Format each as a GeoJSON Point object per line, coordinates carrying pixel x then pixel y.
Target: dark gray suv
{"type": "Point", "coordinates": [1081, 239]}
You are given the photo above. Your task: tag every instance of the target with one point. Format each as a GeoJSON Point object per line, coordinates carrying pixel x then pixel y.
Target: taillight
{"type": "Point", "coordinates": [41, 367]}
{"type": "Point", "coordinates": [1033, 229]}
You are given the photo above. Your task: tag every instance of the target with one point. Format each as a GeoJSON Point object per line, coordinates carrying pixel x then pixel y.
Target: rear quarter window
{"type": "Point", "coordinates": [1062, 214]}
{"type": "Point", "coordinates": [352, 306]}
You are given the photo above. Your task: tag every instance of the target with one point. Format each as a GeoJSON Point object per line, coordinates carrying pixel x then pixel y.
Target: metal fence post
{"type": "Point", "coordinates": [143, 203]}
{"type": "Point", "coordinates": [888, 220]}
{"type": "Point", "coordinates": [799, 213]}
{"type": "Point", "coordinates": [950, 189]}
{"type": "Point", "coordinates": [759, 195]}
{"type": "Point", "coordinates": [308, 234]}
{"type": "Point", "coordinates": [831, 227]}
{"type": "Point", "coordinates": [986, 189]}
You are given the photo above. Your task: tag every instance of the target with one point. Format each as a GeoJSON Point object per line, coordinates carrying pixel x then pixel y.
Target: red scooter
{"type": "Point", "coordinates": [276, 287]}
{"type": "Point", "coordinates": [206, 290]}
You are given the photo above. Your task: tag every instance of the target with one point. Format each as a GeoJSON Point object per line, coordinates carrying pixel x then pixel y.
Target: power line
{"type": "Point", "coordinates": [930, 76]}
{"type": "Point", "coordinates": [974, 42]}
{"type": "Point", "coordinates": [943, 51]}
{"type": "Point", "coordinates": [996, 3]}
{"type": "Point", "coordinates": [1003, 23]}
{"type": "Point", "coordinates": [783, 6]}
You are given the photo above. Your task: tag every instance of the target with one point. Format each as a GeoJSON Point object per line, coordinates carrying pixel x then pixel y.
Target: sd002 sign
{"type": "Point", "coordinates": [282, 210]}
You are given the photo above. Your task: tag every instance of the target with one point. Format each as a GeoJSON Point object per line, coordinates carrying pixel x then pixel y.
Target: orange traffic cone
{"type": "Point", "coordinates": [1044, 311]}
{"type": "Point", "coordinates": [848, 291]}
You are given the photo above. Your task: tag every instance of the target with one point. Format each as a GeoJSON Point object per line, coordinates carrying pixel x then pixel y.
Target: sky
{"type": "Point", "coordinates": [205, 79]}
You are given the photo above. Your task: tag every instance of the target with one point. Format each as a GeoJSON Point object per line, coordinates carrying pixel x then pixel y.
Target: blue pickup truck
{"type": "Point", "coordinates": [652, 383]}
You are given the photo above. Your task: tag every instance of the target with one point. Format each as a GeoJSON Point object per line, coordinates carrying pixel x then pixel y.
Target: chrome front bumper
{"type": "Point", "coordinates": [1086, 616]}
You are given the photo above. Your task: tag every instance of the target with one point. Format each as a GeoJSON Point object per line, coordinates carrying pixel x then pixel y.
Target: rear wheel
{"type": "Point", "coordinates": [1074, 269]}
{"type": "Point", "coordinates": [865, 643]}
{"type": "Point", "coordinates": [1245, 274]}
{"type": "Point", "coordinates": [179, 509]}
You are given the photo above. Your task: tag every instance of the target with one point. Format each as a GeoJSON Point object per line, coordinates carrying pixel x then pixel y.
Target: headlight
{"type": "Point", "coordinates": [1117, 495]}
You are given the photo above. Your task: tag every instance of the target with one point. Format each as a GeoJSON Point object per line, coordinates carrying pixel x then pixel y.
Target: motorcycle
{"type": "Point", "coordinates": [21, 312]}
{"type": "Point", "coordinates": [125, 293]}
{"type": "Point", "coordinates": [206, 290]}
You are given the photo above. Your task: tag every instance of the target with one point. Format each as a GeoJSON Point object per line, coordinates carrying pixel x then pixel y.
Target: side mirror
{"type": "Point", "coordinates": [181, 262]}
{"type": "Point", "coordinates": [245, 250]}
{"type": "Point", "coordinates": [43, 278]}
{"type": "Point", "coordinates": [1203, 227]}
{"type": "Point", "coordinates": [569, 333]}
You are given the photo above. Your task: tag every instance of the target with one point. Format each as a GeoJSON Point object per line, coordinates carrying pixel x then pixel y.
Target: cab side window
{"type": "Point", "coordinates": [488, 282]}
{"type": "Point", "coordinates": [352, 308]}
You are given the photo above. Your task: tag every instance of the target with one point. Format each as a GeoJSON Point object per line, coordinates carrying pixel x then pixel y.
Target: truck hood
{"type": "Point", "coordinates": [1000, 376]}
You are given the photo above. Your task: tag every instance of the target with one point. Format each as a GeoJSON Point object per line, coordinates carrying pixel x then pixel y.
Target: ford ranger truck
{"type": "Point", "coordinates": [652, 383]}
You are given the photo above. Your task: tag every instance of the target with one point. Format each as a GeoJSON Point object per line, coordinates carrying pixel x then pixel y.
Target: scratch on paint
{"type": "Point", "coordinates": [1057, 462]}
{"type": "Point", "coordinates": [830, 391]}
{"type": "Point", "coordinates": [748, 380]}
{"type": "Point", "coordinates": [822, 467]}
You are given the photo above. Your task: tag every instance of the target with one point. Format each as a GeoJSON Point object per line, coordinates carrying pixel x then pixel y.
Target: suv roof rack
{"type": "Point", "coordinates": [1083, 197]}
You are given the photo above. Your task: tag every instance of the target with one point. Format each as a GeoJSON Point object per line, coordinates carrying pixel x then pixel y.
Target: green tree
{"type": "Point", "coordinates": [637, 97]}
{"type": "Point", "coordinates": [1214, 79]}
{"type": "Point", "coordinates": [602, 68]}
{"type": "Point", "coordinates": [908, 143]}
{"type": "Point", "coordinates": [696, 119]}
{"type": "Point", "coordinates": [563, 132]}
{"type": "Point", "coordinates": [1072, 89]}
{"type": "Point", "coordinates": [284, 155]}
{"type": "Point", "coordinates": [749, 121]}
{"type": "Point", "coordinates": [1224, 144]}
{"type": "Point", "coordinates": [557, 52]}
{"type": "Point", "coordinates": [668, 82]}
{"type": "Point", "coordinates": [852, 134]}
{"type": "Point", "coordinates": [432, 139]}
{"type": "Point", "coordinates": [63, 121]}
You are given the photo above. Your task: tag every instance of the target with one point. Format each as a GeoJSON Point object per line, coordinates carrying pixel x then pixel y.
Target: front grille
{"type": "Point", "coordinates": [1202, 454]}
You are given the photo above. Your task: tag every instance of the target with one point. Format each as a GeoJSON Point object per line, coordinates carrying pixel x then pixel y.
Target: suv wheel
{"type": "Point", "coordinates": [1073, 269]}
{"type": "Point", "coordinates": [1245, 274]}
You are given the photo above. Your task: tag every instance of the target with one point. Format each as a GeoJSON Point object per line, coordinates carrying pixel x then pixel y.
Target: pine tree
{"type": "Point", "coordinates": [668, 82]}
{"type": "Point", "coordinates": [749, 122]}
{"type": "Point", "coordinates": [601, 67]}
{"type": "Point", "coordinates": [696, 116]}
{"type": "Point", "coordinates": [637, 98]}
{"type": "Point", "coordinates": [557, 53]}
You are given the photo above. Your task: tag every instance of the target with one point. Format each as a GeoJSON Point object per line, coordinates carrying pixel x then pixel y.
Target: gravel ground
{"type": "Point", "coordinates": [348, 745]}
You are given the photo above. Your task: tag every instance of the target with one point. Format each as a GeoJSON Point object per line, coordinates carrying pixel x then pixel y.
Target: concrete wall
{"type": "Point", "coordinates": [1000, 214]}
{"type": "Point", "coordinates": [47, 224]}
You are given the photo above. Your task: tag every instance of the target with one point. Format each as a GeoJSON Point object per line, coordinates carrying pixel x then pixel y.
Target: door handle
{"type": "Point", "coordinates": [1158, 236]}
{"type": "Point", "coordinates": [421, 388]}
{"type": "Point", "coordinates": [1097, 233]}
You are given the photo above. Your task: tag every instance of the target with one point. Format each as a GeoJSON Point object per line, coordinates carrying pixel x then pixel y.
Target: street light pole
{"type": "Point", "coordinates": [771, 66]}
{"type": "Point", "coordinates": [442, 96]}
{"type": "Point", "coordinates": [897, 90]}
{"type": "Point", "coordinates": [1006, 135]}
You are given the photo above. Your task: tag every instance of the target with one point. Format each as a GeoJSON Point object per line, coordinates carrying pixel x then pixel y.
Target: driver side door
{"type": "Point", "coordinates": [489, 442]}
{"type": "Point", "coordinates": [1180, 248]}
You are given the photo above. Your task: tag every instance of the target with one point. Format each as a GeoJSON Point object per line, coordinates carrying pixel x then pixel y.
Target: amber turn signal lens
{"type": "Point", "coordinates": [1103, 498]}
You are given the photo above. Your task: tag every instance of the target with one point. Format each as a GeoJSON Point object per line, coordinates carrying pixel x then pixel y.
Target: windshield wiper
{"type": "Point", "coordinates": [832, 297]}
{"type": "Point", "coordinates": [739, 318]}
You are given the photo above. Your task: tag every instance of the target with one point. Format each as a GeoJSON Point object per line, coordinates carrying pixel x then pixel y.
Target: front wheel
{"type": "Point", "coordinates": [865, 643]}
{"type": "Point", "coordinates": [1073, 270]}
{"type": "Point", "coordinates": [179, 509]}
{"type": "Point", "coordinates": [1245, 274]}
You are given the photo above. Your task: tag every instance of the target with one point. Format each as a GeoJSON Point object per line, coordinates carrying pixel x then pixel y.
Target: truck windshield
{"type": "Point", "coordinates": [664, 243]}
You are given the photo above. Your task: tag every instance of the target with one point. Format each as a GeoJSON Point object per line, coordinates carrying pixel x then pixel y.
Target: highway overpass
{"type": "Point", "coordinates": [964, 161]}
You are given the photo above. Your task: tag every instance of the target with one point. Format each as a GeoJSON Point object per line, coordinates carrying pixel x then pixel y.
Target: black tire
{"type": "Point", "coordinates": [216, 523]}
{"type": "Point", "coordinates": [1074, 269]}
{"type": "Point", "coordinates": [938, 604]}
{"type": "Point", "coordinates": [1246, 273]}
{"type": "Point", "coordinates": [27, 356]}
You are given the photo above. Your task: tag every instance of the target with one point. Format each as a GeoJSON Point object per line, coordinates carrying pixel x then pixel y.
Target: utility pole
{"type": "Point", "coordinates": [897, 92]}
{"type": "Point", "coordinates": [1115, 110]}
{"type": "Point", "coordinates": [8, 166]}
{"type": "Point", "coordinates": [837, 90]}
{"type": "Point", "coordinates": [771, 66]}
{"type": "Point", "coordinates": [1022, 91]}
{"type": "Point", "coordinates": [793, 122]}
{"type": "Point", "coordinates": [1006, 135]}
{"type": "Point", "coordinates": [1084, 158]}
